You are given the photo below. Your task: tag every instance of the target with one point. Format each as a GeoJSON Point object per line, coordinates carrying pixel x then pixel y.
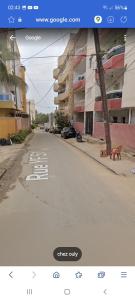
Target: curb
{"type": "Point", "coordinates": [92, 157]}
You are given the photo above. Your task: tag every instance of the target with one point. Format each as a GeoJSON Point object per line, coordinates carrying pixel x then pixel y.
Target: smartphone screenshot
{"type": "Point", "coordinates": [67, 150]}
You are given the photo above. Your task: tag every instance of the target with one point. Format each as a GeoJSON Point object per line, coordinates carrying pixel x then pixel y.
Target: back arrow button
{"type": "Point", "coordinates": [12, 37]}
{"type": "Point", "coordinates": [10, 274]}
{"type": "Point", "coordinates": [105, 291]}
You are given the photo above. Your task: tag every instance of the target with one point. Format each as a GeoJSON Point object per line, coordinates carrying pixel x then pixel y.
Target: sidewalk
{"type": "Point", "coordinates": [92, 149]}
{"type": "Point", "coordinates": [8, 155]}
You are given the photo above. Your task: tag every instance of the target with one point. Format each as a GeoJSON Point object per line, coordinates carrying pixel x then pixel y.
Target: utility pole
{"type": "Point", "coordinates": [103, 91]}
{"type": "Point", "coordinates": [14, 71]}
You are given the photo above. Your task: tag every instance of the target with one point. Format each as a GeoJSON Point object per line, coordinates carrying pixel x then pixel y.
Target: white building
{"type": "Point", "coordinates": [31, 109]}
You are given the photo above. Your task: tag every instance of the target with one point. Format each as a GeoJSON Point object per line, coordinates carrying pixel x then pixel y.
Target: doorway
{"type": "Point", "coordinates": [89, 122]}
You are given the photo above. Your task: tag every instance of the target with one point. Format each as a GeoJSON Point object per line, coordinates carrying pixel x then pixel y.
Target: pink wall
{"type": "Point", "coordinates": [79, 126]}
{"type": "Point", "coordinates": [79, 108]}
{"type": "Point", "coordinates": [116, 61]}
{"type": "Point", "coordinates": [79, 84]}
{"type": "Point", "coordinates": [78, 58]}
{"type": "Point", "coordinates": [123, 134]}
{"type": "Point", "coordinates": [22, 123]}
{"type": "Point", "coordinates": [112, 104]}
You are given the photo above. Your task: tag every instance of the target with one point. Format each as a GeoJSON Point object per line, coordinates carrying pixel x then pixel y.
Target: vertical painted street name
{"type": "Point", "coordinates": [39, 161]}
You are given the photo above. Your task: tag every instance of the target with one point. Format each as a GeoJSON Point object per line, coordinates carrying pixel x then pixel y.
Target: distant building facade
{"type": "Point", "coordinates": [31, 110]}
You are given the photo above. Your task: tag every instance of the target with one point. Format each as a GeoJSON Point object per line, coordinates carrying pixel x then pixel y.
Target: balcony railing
{"type": "Point", "coordinates": [114, 58]}
{"type": "Point", "coordinates": [56, 101]}
{"type": "Point", "coordinates": [114, 100]}
{"type": "Point", "coordinates": [56, 73]}
{"type": "Point", "coordinates": [68, 51]}
{"type": "Point", "coordinates": [63, 75]}
{"type": "Point", "coordinates": [7, 104]}
{"type": "Point", "coordinates": [7, 101]}
{"type": "Point", "coordinates": [63, 109]}
{"type": "Point", "coordinates": [80, 54]}
{"type": "Point", "coordinates": [61, 97]}
{"type": "Point", "coordinates": [56, 87]}
{"type": "Point", "coordinates": [79, 83]}
{"type": "Point", "coordinates": [111, 95]}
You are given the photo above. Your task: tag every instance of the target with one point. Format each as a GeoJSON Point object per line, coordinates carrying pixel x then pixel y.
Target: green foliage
{"type": "Point", "coordinates": [61, 120]}
{"type": "Point", "coordinates": [3, 71]}
{"type": "Point", "coordinates": [41, 118]}
{"type": "Point", "coordinates": [19, 137]}
{"type": "Point", "coordinates": [33, 126]}
{"type": "Point", "coordinates": [5, 76]}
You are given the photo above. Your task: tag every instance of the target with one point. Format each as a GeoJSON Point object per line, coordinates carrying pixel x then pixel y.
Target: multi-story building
{"type": "Point", "coordinates": [13, 115]}
{"type": "Point", "coordinates": [64, 79]}
{"type": "Point", "coordinates": [12, 87]}
{"type": "Point", "coordinates": [118, 58]}
{"type": "Point", "coordinates": [79, 79]}
{"type": "Point", "coordinates": [31, 110]}
{"type": "Point", "coordinates": [23, 89]}
{"type": "Point", "coordinates": [118, 63]}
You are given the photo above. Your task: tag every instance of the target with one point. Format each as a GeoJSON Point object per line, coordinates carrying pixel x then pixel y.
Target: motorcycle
{"type": "Point", "coordinates": [79, 137]}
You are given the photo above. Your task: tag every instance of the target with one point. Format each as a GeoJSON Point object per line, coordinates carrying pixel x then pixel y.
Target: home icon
{"type": "Point", "coordinates": [56, 275]}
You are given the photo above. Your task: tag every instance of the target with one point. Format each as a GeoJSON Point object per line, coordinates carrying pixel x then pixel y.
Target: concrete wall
{"type": "Point", "coordinates": [79, 126]}
{"type": "Point", "coordinates": [128, 98]}
{"type": "Point", "coordinates": [122, 134]}
{"type": "Point", "coordinates": [9, 125]}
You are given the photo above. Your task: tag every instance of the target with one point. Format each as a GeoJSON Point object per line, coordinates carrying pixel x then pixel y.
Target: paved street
{"type": "Point", "coordinates": [77, 202]}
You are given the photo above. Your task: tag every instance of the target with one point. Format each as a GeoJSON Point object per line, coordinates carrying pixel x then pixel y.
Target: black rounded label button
{"type": "Point", "coordinates": [67, 254]}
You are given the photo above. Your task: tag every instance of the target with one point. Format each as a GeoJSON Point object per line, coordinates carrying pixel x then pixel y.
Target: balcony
{"type": "Point", "coordinates": [7, 101]}
{"type": "Point", "coordinates": [114, 101]}
{"type": "Point", "coordinates": [114, 59]}
{"type": "Point", "coordinates": [56, 101]}
{"type": "Point", "coordinates": [63, 75]}
{"type": "Point", "coordinates": [68, 51]}
{"type": "Point", "coordinates": [80, 54]}
{"type": "Point", "coordinates": [63, 109]}
{"type": "Point", "coordinates": [79, 105]}
{"type": "Point", "coordinates": [61, 97]}
{"type": "Point", "coordinates": [56, 73]}
{"type": "Point", "coordinates": [56, 87]}
{"type": "Point", "coordinates": [79, 83]}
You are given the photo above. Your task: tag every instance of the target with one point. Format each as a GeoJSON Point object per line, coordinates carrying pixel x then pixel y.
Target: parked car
{"type": "Point", "coordinates": [46, 129]}
{"type": "Point", "coordinates": [57, 130]}
{"type": "Point", "coordinates": [42, 127]}
{"type": "Point", "coordinates": [68, 132]}
{"type": "Point", "coordinates": [51, 130]}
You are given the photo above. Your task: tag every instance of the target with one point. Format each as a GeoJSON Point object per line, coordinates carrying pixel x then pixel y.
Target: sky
{"type": "Point", "coordinates": [39, 71]}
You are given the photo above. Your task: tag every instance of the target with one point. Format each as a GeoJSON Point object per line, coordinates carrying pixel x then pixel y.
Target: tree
{"type": "Point", "coordinates": [61, 120]}
{"type": "Point", "coordinates": [9, 79]}
{"type": "Point", "coordinates": [41, 118]}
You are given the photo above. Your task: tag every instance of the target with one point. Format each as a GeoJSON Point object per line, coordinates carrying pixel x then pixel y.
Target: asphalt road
{"type": "Point", "coordinates": [80, 203]}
